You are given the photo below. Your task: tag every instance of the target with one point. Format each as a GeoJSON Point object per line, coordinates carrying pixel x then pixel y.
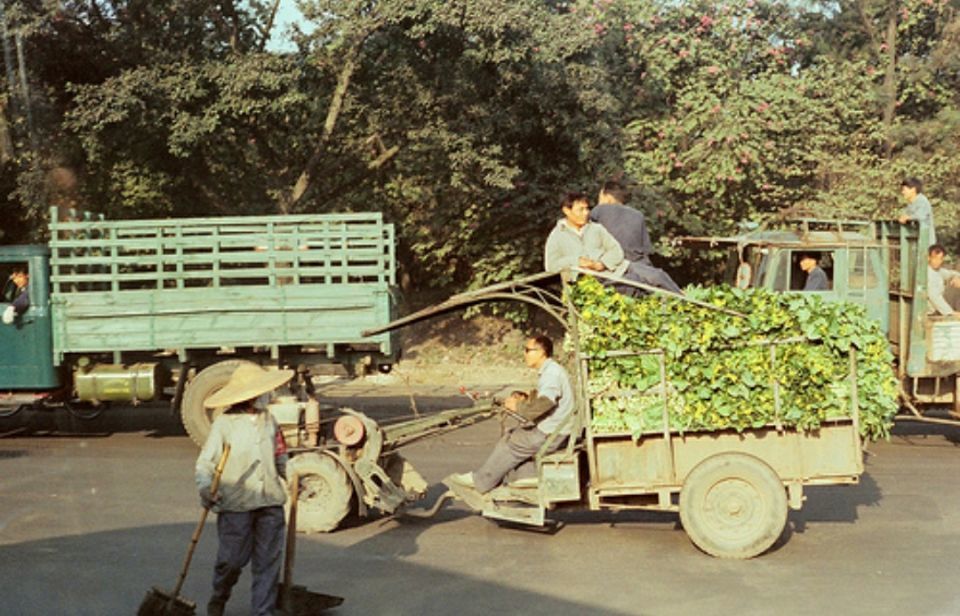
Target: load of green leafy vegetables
{"type": "Point", "coordinates": [783, 360]}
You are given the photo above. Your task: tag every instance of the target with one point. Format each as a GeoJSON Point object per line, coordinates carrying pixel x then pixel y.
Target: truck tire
{"type": "Point", "coordinates": [733, 505]}
{"type": "Point", "coordinates": [197, 419]}
{"type": "Point", "coordinates": [326, 494]}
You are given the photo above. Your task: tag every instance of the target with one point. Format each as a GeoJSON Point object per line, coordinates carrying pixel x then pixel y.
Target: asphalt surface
{"type": "Point", "coordinates": [92, 514]}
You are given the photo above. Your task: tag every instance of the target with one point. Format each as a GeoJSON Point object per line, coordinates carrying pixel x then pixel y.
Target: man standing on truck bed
{"type": "Point", "coordinates": [249, 504]}
{"type": "Point", "coordinates": [549, 411]}
{"type": "Point", "coordinates": [918, 206]}
{"type": "Point", "coordinates": [938, 277]}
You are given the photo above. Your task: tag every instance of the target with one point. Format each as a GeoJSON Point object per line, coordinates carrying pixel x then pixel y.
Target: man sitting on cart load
{"type": "Point", "coordinates": [577, 242]}
{"type": "Point", "coordinates": [549, 410]}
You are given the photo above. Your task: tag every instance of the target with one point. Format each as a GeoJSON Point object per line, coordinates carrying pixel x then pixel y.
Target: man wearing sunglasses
{"type": "Point", "coordinates": [548, 410]}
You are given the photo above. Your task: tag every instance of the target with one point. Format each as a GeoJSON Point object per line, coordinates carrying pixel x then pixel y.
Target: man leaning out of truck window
{"type": "Point", "coordinates": [940, 282]}
{"type": "Point", "coordinates": [21, 298]}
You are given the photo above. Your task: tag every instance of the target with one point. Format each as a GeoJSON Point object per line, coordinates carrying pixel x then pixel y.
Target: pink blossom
{"type": "Point", "coordinates": [683, 53]}
{"type": "Point", "coordinates": [763, 107]}
{"type": "Point", "coordinates": [766, 187]}
{"type": "Point", "coordinates": [627, 27]}
{"type": "Point", "coordinates": [678, 164]}
{"type": "Point", "coordinates": [706, 21]}
{"type": "Point", "coordinates": [716, 109]}
{"type": "Point", "coordinates": [713, 70]}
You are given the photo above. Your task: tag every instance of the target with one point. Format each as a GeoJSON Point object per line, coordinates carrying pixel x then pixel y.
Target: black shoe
{"type": "Point", "coordinates": [215, 607]}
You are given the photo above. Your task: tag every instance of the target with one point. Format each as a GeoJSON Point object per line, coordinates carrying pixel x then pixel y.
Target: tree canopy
{"type": "Point", "coordinates": [464, 121]}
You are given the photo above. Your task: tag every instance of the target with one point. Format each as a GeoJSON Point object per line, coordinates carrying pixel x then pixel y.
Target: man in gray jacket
{"type": "Point", "coordinates": [249, 502]}
{"type": "Point", "coordinates": [577, 242]}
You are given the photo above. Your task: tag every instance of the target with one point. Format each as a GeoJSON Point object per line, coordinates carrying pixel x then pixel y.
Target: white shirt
{"type": "Point", "coordinates": [936, 284]}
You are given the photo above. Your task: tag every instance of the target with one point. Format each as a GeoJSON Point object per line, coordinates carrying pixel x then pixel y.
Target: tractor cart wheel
{"type": "Point", "coordinates": [733, 505]}
{"type": "Point", "coordinates": [197, 419]}
{"type": "Point", "coordinates": [326, 494]}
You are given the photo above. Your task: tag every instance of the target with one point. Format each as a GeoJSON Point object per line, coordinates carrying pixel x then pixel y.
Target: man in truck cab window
{"type": "Point", "coordinates": [15, 293]}
{"type": "Point", "coordinates": [941, 283]}
{"type": "Point", "coordinates": [817, 279]}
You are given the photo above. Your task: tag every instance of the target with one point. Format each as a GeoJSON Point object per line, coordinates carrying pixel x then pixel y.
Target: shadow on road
{"type": "Point", "coordinates": [110, 573]}
{"type": "Point", "coordinates": [156, 421]}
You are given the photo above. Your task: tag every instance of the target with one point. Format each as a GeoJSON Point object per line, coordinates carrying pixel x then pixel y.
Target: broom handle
{"type": "Point", "coordinates": [203, 518]}
{"type": "Point", "coordinates": [291, 534]}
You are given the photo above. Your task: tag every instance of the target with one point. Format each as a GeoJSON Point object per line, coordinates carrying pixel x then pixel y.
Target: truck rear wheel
{"type": "Point", "coordinates": [326, 494]}
{"type": "Point", "coordinates": [733, 505]}
{"type": "Point", "coordinates": [197, 419]}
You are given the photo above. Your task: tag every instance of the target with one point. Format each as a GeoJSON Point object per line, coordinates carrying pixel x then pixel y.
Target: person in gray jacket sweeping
{"type": "Point", "coordinates": [249, 502]}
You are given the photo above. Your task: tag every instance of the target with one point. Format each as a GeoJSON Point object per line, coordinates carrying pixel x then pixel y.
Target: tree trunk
{"type": "Point", "coordinates": [336, 105]}
{"type": "Point", "coordinates": [890, 78]}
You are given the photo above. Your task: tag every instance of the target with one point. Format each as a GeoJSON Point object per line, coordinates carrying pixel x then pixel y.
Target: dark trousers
{"type": "Point", "coordinates": [648, 275]}
{"type": "Point", "coordinates": [512, 450]}
{"type": "Point", "coordinates": [244, 536]}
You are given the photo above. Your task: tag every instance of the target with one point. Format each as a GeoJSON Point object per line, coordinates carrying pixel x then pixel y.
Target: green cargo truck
{"type": "Point", "coordinates": [881, 265]}
{"type": "Point", "coordinates": [136, 310]}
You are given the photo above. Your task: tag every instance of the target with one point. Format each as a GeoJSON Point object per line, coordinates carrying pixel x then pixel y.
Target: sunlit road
{"type": "Point", "coordinates": [94, 514]}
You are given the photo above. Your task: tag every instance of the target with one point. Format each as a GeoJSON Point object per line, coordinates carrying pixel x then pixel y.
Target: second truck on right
{"type": "Point", "coordinates": [881, 265]}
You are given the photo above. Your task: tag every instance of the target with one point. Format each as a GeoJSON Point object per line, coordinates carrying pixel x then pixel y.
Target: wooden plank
{"type": "Point", "coordinates": [224, 222]}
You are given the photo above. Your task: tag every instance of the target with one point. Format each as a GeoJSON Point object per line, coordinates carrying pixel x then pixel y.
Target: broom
{"type": "Point", "coordinates": [160, 603]}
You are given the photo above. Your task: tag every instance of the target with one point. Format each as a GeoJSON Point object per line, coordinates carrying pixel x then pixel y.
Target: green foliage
{"type": "Point", "coordinates": [719, 369]}
{"type": "Point", "coordinates": [465, 120]}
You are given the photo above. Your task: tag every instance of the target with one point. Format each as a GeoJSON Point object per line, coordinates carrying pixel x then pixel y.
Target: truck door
{"type": "Point", "coordinates": [866, 284]}
{"type": "Point", "coordinates": [26, 350]}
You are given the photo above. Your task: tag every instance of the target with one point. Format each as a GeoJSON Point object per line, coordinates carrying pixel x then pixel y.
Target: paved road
{"type": "Point", "coordinates": [92, 515]}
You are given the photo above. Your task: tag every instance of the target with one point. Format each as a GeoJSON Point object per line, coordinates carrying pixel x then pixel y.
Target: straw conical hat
{"type": "Point", "coordinates": [247, 382]}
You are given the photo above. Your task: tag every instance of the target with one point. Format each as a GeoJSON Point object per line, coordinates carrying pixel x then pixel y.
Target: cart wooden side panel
{"type": "Point", "coordinates": [828, 455]}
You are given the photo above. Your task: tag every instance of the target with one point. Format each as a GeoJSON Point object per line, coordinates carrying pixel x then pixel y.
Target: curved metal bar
{"type": "Point", "coordinates": [521, 290]}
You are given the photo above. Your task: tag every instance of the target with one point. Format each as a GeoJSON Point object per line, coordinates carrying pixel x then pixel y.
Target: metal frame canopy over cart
{"type": "Point", "coordinates": [731, 489]}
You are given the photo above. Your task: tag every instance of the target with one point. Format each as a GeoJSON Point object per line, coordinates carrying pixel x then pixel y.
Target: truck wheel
{"type": "Point", "coordinates": [197, 419]}
{"type": "Point", "coordinates": [326, 494]}
{"type": "Point", "coordinates": [733, 505]}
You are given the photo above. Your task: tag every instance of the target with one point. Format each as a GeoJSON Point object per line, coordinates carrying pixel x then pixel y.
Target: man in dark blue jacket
{"type": "Point", "coordinates": [629, 227]}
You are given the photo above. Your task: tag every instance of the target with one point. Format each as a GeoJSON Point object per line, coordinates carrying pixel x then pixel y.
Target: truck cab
{"type": "Point", "coordinates": [26, 343]}
{"type": "Point", "coordinates": [880, 265]}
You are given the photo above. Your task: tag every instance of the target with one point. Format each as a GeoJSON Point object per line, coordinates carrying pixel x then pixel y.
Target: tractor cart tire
{"type": "Point", "coordinates": [326, 494]}
{"type": "Point", "coordinates": [733, 505]}
{"type": "Point", "coordinates": [197, 419]}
